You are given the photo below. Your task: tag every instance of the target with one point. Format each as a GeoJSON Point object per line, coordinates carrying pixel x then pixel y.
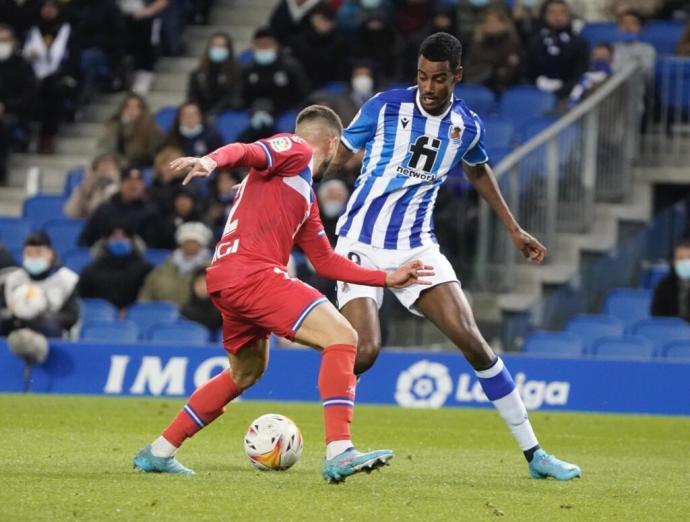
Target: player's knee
{"type": "Point", "coordinates": [246, 377]}
{"type": "Point", "coordinates": [476, 350]}
{"type": "Point", "coordinates": [367, 352]}
{"type": "Point", "coordinates": [343, 333]}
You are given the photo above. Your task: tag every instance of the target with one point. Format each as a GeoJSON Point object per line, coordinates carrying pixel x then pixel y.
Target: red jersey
{"type": "Point", "coordinates": [275, 208]}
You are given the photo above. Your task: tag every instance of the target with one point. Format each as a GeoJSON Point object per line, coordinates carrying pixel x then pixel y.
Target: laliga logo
{"type": "Point", "coordinates": [427, 384]}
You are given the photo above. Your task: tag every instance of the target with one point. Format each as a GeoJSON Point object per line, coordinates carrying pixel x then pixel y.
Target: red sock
{"type": "Point", "coordinates": [337, 389]}
{"type": "Point", "coordinates": [205, 405]}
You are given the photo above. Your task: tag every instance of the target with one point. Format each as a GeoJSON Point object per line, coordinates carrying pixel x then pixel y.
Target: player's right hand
{"type": "Point", "coordinates": [200, 167]}
{"type": "Point", "coordinates": [409, 274]}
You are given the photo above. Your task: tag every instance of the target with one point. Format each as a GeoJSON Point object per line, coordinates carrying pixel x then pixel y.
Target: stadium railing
{"type": "Point", "coordinates": [552, 181]}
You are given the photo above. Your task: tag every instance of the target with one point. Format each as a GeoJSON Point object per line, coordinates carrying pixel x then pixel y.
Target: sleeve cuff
{"type": "Point", "coordinates": [348, 145]}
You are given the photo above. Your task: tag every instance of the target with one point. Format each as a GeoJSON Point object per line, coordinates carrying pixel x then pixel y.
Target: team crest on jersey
{"type": "Point", "coordinates": [280, 144]}
{"type": "Point", "coordinates": [455, 132]}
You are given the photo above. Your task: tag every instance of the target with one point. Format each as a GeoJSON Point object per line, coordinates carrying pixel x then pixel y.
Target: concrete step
{"type": "Point", "coordinates": [11, 199]}
{"type": "Point", "coordinates": [222, 16]}
{"type": "Point", "coordinates": [84, 129]}
{"type": "Point", "coordinates": [172, 82]}
{"type": "Point", "coordinates": [182, 64]}
{"type": "Point", "coordinates": [53, 169]}
{"type": "Point", "coordinates": [76, 144]}
{"type": "Point", "coordinates": [247, 5]}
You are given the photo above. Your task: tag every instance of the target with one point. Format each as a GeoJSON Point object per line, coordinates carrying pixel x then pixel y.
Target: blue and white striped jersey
{"type": "Point", "coordinates": [408, 154]}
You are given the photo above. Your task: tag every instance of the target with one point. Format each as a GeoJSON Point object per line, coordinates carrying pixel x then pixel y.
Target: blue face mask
{"type": "Point", "coordinates": [265, 56]}
{"type": "Point", "coordinates": [35, 265]}
{"type": "Point", "coordinates": [120, 247]}
{"type": "Point", "coordinates": [218, 54]}
{"type": "Point", "coordinates": [682, 269]}
{"type": "Point", "coordinates": [479, 3]}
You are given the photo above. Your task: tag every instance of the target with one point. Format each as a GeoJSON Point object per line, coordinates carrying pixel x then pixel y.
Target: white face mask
{"type": "Point", "coordinates": [363, 84]}
{"type": "Point", "coordinates": [191, 132]}
{"type": "Point", "coordinates": [332, 209]}
{"type": "Point", "coordinates": [5, 50]}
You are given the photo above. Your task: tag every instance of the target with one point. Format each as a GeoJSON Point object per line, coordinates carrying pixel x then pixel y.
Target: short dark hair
{"type": "Point", "coordinates": [38, 239]}
{"type": "Point", "coordinates": [442, 47]}
{"type": "Point", "coordinates": [320, 112]}
{"type": "Point", "coordinates": [8, 28]}
{"type": "Point", "coordinates": [604, 45]}
{"type": "Point", "coordinates": [263, 32]}
{"type": "Point", "coordinates": [683, 243]}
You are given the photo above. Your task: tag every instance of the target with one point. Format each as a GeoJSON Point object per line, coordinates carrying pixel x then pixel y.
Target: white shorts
{"type": "Point", "coordinates": [388, 260]}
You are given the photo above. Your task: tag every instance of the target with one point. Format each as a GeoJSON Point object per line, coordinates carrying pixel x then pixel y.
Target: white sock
{"type": "Point", "coordinates": [337, 447]}
{"type": "Point", "coordinates": [162, 448]}
{"type": "Point", "coordinates": [514, 413]}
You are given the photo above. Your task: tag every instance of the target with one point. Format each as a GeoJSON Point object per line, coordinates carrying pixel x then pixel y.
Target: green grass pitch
{"type": "Point", "coordinates": [69, 458]}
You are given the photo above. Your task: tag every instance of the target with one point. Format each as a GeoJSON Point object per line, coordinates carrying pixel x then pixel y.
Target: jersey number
{"type": "Point", "coordinates": [425, 147]}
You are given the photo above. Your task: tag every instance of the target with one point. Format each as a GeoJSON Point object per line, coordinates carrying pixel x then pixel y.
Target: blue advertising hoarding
{"type": "Point", "coordinates": [410, 379]}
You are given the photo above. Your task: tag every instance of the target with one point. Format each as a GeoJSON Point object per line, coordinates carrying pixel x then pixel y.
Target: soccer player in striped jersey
{"type": "Point", "coordinates": [412, 138]}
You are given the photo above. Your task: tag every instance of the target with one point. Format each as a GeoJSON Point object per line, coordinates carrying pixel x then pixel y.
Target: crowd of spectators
{"type": "Point", "coordinates": [54, 55]}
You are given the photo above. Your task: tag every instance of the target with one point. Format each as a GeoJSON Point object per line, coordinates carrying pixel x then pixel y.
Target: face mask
{"type": "Point", "coordinates": [683, 269]}
{"type": "Point", "coordinates": [35, 265]}
{"type": "Point", "coordinates": [332, 209]}
{"type": "Point", "coordinates": [5, 50]}
{"type": "Point", "coordinates": [265, 56]}
{"type": "Point", "coordinates": [185, 264]}
{"type": "Point", "coordinates": [124, 119]}
{"type": "Point", "coordinates": [261, 119]}
{"type": "Point", "coordinates": [120, 247]}
{"type": "Point", "coordinates": [363, 84]}
{"type": "Point", "coordinates": [218, 54]}
{"type": "Point", "coordinates": [191, 132]}
{"type": "Point", "coordinates": [479, 3]}
{"type": "Point", "coordinates": [371, 4]}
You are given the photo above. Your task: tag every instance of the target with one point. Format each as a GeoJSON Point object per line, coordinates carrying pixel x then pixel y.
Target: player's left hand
{"type": "Point", "coordinates": [199, 167]}
{"type": "Point", "coordinates": [410, 274]}
{"type": "Point", "coordinates": [528, 245]}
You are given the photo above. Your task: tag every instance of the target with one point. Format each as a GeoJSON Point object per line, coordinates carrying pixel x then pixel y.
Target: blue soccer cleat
{"type": "Point", "coordinates": [351, 461]}
{"type": "Point", "coordinates": [544, 465]}
{"type": "Point", "coordinates": [147, 462]}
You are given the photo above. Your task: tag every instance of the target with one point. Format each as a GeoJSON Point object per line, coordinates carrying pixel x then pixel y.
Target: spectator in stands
{"type": "Point", "coordinates": [216, 85]}
{"type": "Point", "coordinates": [50, 48]}
{"type": "Point", "coordinates": [186, 207]}
{"type": "Point", "coordinates": [201, 10]}
{"type": "Point", "coordinates": [41, 298]}
{"type": "Point", "coordinates": [98, 28]}
{"type": "Point", "coordinates": [142, 18]}
{"type": "Point", "coordinates": [353, 13]}
{"type": "Point", "coordinates": [557, 57]}
{"type": "Point", "coordinates": [191, 133]}
{"type": "Point", "coordinates": [130, 205]}
{"type": "Point", "coordinates": [683, 48]}
{"type": "Point", "coordinates": [273, 74]}
{"type": "Point", "coordinates": [630, 49]}
{"type": "Point", "coordinates": [362, 86]}
{"type": "Point", "coordinates": [291, 17]}
{"type": "Point", "coordinates": [674, 10]}
{"type": "Point", "coordinates": [413, 15]}
{"type": "Point", "coordinates": [118, 269]}
{"type": "Point", "coordinates": [495, 58]}
{"type": "Point", "coordinates": [332, 196]}
{"type": "Point", "coordinates": [172, 280]}
{"type": "Point", "coordinates": [17, 94]}
{"type": "Point", "coordinates": [600, 70]}
{"type": "Point", "coordinates": [166, 181]}
{"type": "Point", "coordinates": [262, 123]}
{"type": "Point", "coordinates": [100, 183]}
{"type": "Point", "coordinates": [20, 15]}
{"type": "Point", "coordinates": [222, 193]}
{"type": "Point", "coordinates": [672, 294]}
{"type": "Point", "coordinates": [199, 307]}
{"type": "Point", "coordinates": [528, 19]}
{"type": "Point", "coordinates": [132, 133]}
{"type": "Point", "coordinates": [379, 42]}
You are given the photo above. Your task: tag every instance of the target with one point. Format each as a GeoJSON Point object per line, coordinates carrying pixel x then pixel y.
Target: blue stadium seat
{"type": "Point", "coordinates": [499, 132]}
{"type": "Point", "coordinates": [672, 79]}
{"type": "Point", "coordinates": [17, 251]}
{"type": "Point", "coordinates": [64, 233]}
{"type": "Point", "coordinates": [121, 331]}
{"type": "Point", "coordinates": [245, 57]}
{"type": "Point", "coordinates": [662, 330]}
{"type": "Point", "coordinates": [165, 116]}
{"type": "Point", "coordinates": [179, 332]}
{"type": "Point", "coordinates": [624, 347]}
{"type": "Point", "coordinates": [93, 309]}
{"type": "Point", "coordinates": [628, 304]}
{"type": "Point", "coordinates": [286, 121]}
{"type": "Point", "coordinates": [42, 208]}
{"type": "Point", "coordinates": [76, 259]}
{"type": "Point", "coordinates": [13, 230]}
{"type": "Point", "coordinates": [533, 126]}
{"type": "Point", "coordinates": [73, 179]}
{"type": "Point", "coordinates": [157, 256]}
{"type": "Point", "coordinates": [554, 343]}
{"type": "Point", "coordinates": [149, 313]}
{"type": "Point", "coordinates": [521, 103]}
{"type": "Point", "coordinates": [590, 327]}
{"type": "Point", "coordinates": [677, 350]}
{"type": "Point", "coordinates": [600, 32]}
{"type": "Point", "coordinates": [231, 124]}
{"type": "Point", "coordinates": [651, 275]}
{"type": "Point", "coordinates": [479, 98]}
{"type": "Point", "coordinates": [663, 35]}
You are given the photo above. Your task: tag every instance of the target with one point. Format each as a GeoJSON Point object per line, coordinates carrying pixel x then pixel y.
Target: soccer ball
{"type": "Point", "coordinates": [27, 301]}
{"type": "Point", "coordinates": [273, 442]}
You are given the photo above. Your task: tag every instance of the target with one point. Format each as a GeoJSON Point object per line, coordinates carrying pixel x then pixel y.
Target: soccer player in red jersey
{"type": "Point", "coordinates": [275, 208]}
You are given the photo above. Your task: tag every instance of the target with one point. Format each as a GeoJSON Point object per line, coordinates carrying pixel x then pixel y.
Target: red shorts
{"type": "Point", "coordinates": [268, 301]}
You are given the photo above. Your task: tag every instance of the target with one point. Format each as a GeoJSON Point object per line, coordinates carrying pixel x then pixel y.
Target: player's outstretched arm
{"type": "Point", "coordinates": [195, 167]}
{"type": "Point", "coordinates": [232, 155]}
{"type": "Point", "coordinates": [484, 181]}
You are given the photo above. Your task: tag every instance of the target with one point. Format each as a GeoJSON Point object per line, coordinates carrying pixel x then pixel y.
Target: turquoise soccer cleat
{"type": "Point", "coordinates": [147, 462]}
{"type": "Point", "coordinates": [544, 465]}
{"type": "Point", "coordinates": [351, 461]}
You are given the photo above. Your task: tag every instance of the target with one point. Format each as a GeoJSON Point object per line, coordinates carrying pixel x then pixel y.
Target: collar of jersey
{"type": "Point", "coordinates": [418, 103]}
